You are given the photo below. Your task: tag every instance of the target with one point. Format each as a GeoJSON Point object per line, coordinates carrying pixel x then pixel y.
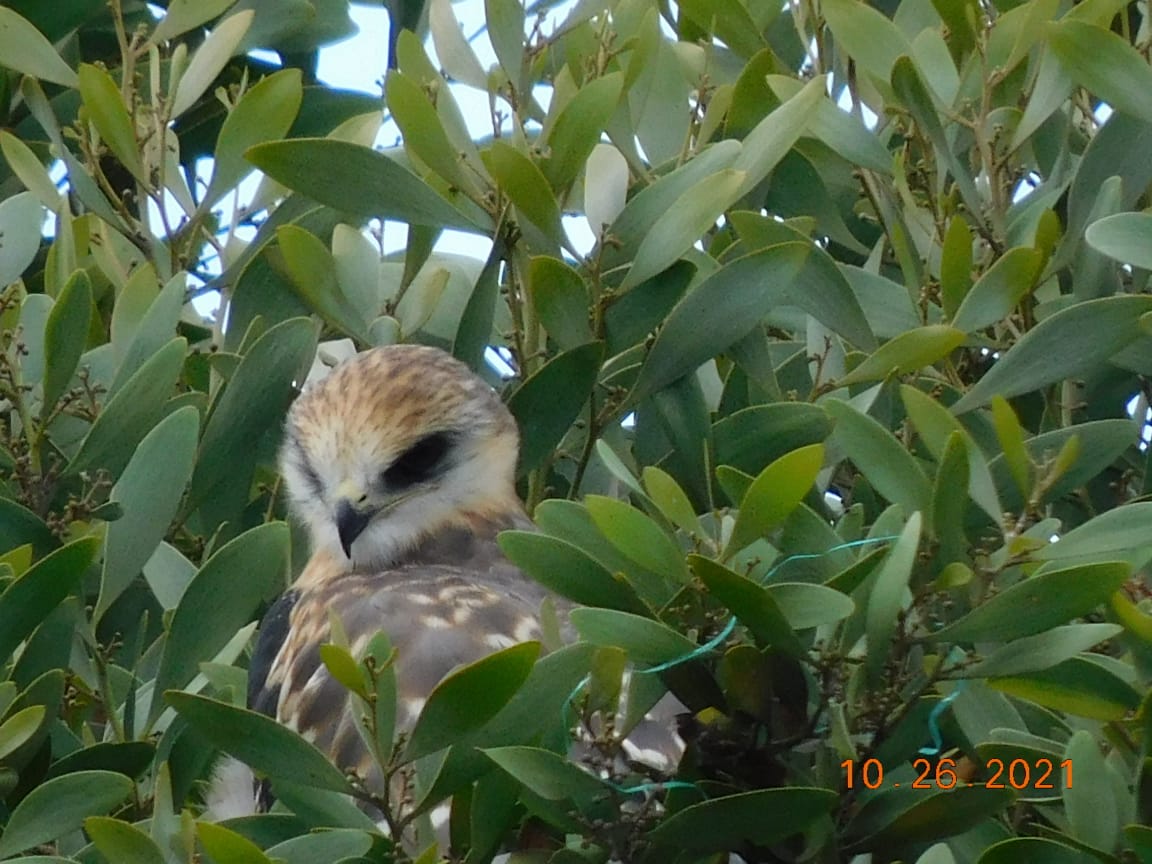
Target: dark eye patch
{"type": "Point", "coordinates": [419, 462]}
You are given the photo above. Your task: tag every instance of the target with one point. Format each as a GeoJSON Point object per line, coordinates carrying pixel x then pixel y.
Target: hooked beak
{"type": "Point", "coordinates": [350, 524]}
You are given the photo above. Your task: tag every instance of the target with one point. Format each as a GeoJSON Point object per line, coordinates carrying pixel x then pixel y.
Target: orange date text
{"type": "Point", "coordinates": [1019, 774]}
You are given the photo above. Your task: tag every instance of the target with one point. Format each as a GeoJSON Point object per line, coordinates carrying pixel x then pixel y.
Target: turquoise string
{"type": "Point", "coordinates": [934, 720]}
{"type": "Point", "coordinates": [718, 640]}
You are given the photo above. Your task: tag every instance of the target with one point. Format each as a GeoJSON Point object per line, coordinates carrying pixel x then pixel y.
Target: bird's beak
{"type": "Point", "coordinates": [350, 523]}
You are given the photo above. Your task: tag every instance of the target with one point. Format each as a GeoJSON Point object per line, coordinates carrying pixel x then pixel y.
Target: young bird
{"type": "Point", "coordinates": [401, 463]}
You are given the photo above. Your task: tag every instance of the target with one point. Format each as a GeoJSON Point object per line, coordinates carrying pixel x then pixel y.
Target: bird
{"type": "Point", "coordinates": [401, 464]}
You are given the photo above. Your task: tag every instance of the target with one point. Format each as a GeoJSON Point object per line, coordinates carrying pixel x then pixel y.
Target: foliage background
{"type": "Point", "coordinates": [880, 489]}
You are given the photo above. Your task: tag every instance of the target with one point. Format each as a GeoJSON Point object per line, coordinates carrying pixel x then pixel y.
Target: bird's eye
{"type": "Point", "coordinates": [419, 462]}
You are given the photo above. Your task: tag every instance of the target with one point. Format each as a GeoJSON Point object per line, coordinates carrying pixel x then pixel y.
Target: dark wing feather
{"type": "Point", "coordinates": [273, 632]}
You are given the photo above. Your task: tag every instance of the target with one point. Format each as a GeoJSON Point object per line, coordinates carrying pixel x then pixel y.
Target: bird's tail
{"type": "Point", "coordinates": [233, 792]}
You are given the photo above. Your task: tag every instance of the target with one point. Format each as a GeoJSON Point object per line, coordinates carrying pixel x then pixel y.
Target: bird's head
{"type": "Point", "coordinates": [395, 444]}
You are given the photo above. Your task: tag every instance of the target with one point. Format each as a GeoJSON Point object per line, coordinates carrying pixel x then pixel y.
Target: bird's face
{"type": "Point", "coordinates": [394, 444]}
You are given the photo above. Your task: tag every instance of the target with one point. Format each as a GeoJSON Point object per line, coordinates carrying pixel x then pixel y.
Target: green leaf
{"type": "Point", "coordinates": [359, 181]}
{"type": "Point", "coordinates": [129, 415]}
{"type": "Point", "coordinates": [202, 625]}
{"type": "Point", "coordinates": [209, 60]}
{"type": "Point", "coordinates": [546, 405]}
{"type": "Point", "coordinates": [225, 845]}
{"type": "Point", "coordinates": [1076, 686]}
{"type": "Point", "coordinates": [118, 840]}
{"type": "Point", "coordinates": [253, 402]}
{"type": "Point", "coordinates": [264, 113]}
{"type": "Point", "coordinates": [1037, 603]}
{"type": "Point", "coordinates": [19, 728]}
{"type": "Point", "coordinates": [906, 353]}
{"type": "Point", "coordinates": [752, 604]}
{"type": "Point", "coordinates": [560, 299]}
{"type": "Point", "coordinates": [1088, 799]}
{"type": "Point", "coordinates": [26, 165]}
{"type": "Point", "coordinates": [1067, 344]}
{"type": "Point", "coordinates": [1123, 236]}
{"type": "Point", "coordinates": [26, 50]}
{"type": "Point", "coordinates": [671, 499]}
{"type": "Point", "coordinates": [911, 816]}
{"type": "Point", "coordinates": [313, 276]}
{"type": "Point", "coordinates": [645, 640]}
{"type": "Point", "coordinates": [752, 438]}
{"type": "Point", "coordinates": [469, 697]}
{"type": "Point", "coordinates": [887, 598]}
{"type": "Point", "coordinates": [184, 15]}
{"type": "Point", "coordinates": [890, 468]}
{"type": "Point", "coordinates": [1107, 536]}
{"type": "Point", "coordinates": [150, 490]}
{"type": "Point", "coordinates": [935, 424]}
{"type": "Point", "coordinates": [65, 336]}
{"type": "Point", "coordinates": [424, 134]}
{"type": "Point", "coordinates": [677, 229]}
{"type": "Point", "coordinates": [506, 29]}
{"type": "Point", "coordinates": [579, 126]}
{"type": "Point", "coordinates": [1104, 63]}
{"type": "Point", "coordinates": [106, 110]}
{"type": "Point", "coordinates": [721, 310]}
{"type": "Point", "coordinates": [865, 35]}
{"type": "Point", "coordinates": [21, 216]}
{"type": "Point", "coordinates": [569, 571]}
{"type": "Point", "coordinates": [1031, 850]}
{"type": "Point", "coordinates": [28, 600]}
{"type": "Point", "coordinates": [997, 293]}
{"type": "Point", "coordinates": [474, 333]}
{"type": "Point", "coordinates": [641, 212]}
{"type": "Point", "coordinates": [955, 265]}
{"type": "Point", "coordinates": [806, 606]}
{"type": "Point", "coordinates": [1010, 434]}
{"type": "Point", "coordinates": [273, 750]}
{"type": "Point", "coordinates": [763, 817]}
{"type": "Point", "coordinates": [774, 494]}
{"type": "Point", "coordinates": [1042, 651]}
{"type": "Point", "coordinates": [58, 807]}
{"type": "Point", "coordinates": [637, 536]}
{"type": "Point", "coordinates": [549, 775]}
{"type": "Point", "coordinates": [331, 845]}
{"type": "Point", "coordinates": [776, 134]}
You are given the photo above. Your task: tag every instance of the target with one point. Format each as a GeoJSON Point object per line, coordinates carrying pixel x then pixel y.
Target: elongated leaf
{"type": "Point", "coordinates": [202, 625]}
{"type": "Point", "coordinates": [131, 413]}
{"type": "Point", "coordinates": [118, 840]}
{"type": "Point", "coordinates": [271, 749]}
{"type": "Point", "coordinates": [774, 494]}
{"type": "Point", "coordinates": [1071, 342]}
{"type": "Point", "coordinates": [225, 845]}
{"type": "Point", "coordinates": [65, 337]}
{"type": "Point", "coordinates": [561, 300]}
{"type": "Point", "coordinates": [718, 312]}
{"type": "Point", "coordinates": [546, 405]}
{"type": "Point", "coordinates": [424, 134]}
{"type": "Point", "coordinates": [28, 600]}
{"type": "Point", "coordinates": [997, 292]}
{"type": "Point", "coordinates": [150, 490]}
{"type": "Point", "coordinates": [470, 697]}
{"type": "Point", "coordinates": [253, 401]}
{"type": "Point", "coordinates": [1105, 64]}
{"type": "Point", "coordinates": [1077, 686]}
{"type": "Point", "coordinates": [579, 127]}
{"type": "Point", "coordinates": [19, 728]}
{"type": "Point", "coordinates": [59, 807]}
{"type": "Point", "coordinates": [1123, 236]}
{"type": "Point", "coordinates": [763, 817]}
{"type": "Point", "coordinates": [20, 219]}
{"type": "Point", "coordinates": [183, 15]}
{"type": "Point", "coordinates": [568, 571]}
{"type": "Point", "coordinates": [209, 59]}
{"type": "Point", "coordinates": [474, 334]}
{"type": "Point", "coordinates": [888, 596]}
{"type": "Point", "coordinates": [906, 353]}
{"type": "Point", "coordinates": [1038, 603]}
{"type": "Point", "coordinates": [752, 604]}
{"type": "Point", "coordinates": [1042, 651]}
{"type": "Point", "coordinates": [677, 229]}
{"type": "Point", "coordinates": [548, 775]}
{"type": "Point", "coordinates": [264, 113]}
{"type": "Point", "coordinates": [775, 135]}
{"type": "Point", "coordinates": [637, 536]}
{"type": "Point", "coordinates": [26, 165]}
{"type": "Point", "coordinates": [357, 180]}
{"type": "Point", "coordinates": [645, 640]}
{"type": "Point", "coordinates": [880, 457]}
{"type": "Point", "coordinates": [25, 49]}
{"type": "Point", "coordinates": [106, 110]}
